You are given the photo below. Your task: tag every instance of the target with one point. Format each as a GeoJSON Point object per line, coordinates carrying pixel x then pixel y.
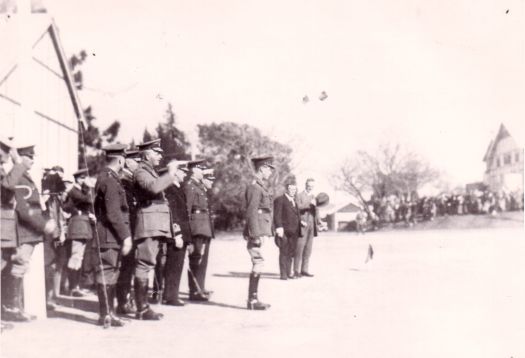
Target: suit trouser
{"type": "Point", "coordinates": [286, 254]}
{"type": "Point", "coordinates": [198, 262]}
{"type": "Point", "coordinates": [303, 250]}
{"type": "Point", "coordinates": [173, 271]}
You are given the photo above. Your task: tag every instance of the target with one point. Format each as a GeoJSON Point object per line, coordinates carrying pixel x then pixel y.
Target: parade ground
{"type": "Point", "coordinates": [426, 293]}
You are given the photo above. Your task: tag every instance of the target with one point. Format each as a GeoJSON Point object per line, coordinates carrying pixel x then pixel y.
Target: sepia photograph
{"type": "Point", "coordinates": [298, 178]}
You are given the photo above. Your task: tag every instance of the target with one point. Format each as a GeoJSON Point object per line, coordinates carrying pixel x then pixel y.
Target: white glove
{"type": "Point", "coordinates": [127, 244]}
{"type": "Point", "coordinates": [279, 231]}
{"type": "Point", "coordinates": [51, 226]}
{"type": "Point", "coordinates": [179, 243]}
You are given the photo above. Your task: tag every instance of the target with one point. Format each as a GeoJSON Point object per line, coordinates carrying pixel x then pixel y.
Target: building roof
{"type": "Point", "coordinates": [493, 145]}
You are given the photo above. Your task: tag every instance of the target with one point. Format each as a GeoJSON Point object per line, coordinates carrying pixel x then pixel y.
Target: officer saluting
{"type": "Point", "coordinates": [31, 226]}
{"type": "Point", "coordinates": [153, 222]}
{"type": "Point", "coordinates": [258, 225]}
{"type": "Point", "coordinates": [113, 234]}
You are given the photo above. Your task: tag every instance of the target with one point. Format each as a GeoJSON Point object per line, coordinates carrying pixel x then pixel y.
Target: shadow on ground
{"type": "Point", "coordinates": [236, 274]}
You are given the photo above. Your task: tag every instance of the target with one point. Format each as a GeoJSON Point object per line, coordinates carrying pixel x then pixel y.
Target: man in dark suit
{"type": "Point", "coordinates": [258, 225]}
{"type": "Point", "coordinates": [113, 237]}
{"type": "Point", "coordinates": [176, 250]}
{"type": "Point", "coordinates": [201, 230]}
{"type": "Point", "coordinates": [287, 222]}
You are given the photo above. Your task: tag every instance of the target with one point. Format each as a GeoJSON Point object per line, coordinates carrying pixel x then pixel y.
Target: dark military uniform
{"type": "Point", "coordinates": [201, 230]}
{"type": "Point", "coordinates": [8, 238]}
{"type": "Point", "coordinates": [152, 228]}
{"type": "Point", "coordinates": [175, 256]}
{"type": "Point", "coordinates": [258, 221]}
{"type": "Point", "coordinates": [259, 225]}
{"type": "Point", "coordinates": [112, 212]}
{"type": "Point", "coordinates": [79, 231]}
{"type": "Point", "coordinates": [128, 262]}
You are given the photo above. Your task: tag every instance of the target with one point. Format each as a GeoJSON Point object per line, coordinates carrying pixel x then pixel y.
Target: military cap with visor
{"type": "Point", "coordinates": [115, 150]}
{"type": "Point", "coordinates": [152, 145]}
{"type": "Point", "coordinates": [259, 162]}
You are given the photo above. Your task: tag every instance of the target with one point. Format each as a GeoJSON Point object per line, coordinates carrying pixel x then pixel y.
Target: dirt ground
{"type": "Point", "coordinates": [454, 293]}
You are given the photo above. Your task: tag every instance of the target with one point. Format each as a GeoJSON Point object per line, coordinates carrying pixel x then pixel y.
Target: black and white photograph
{"type": "Point", "coordinates": [254, 179]}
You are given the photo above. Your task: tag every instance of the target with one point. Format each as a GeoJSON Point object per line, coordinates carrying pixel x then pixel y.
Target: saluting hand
{"type": "Point", "coordinates": [127, 244]}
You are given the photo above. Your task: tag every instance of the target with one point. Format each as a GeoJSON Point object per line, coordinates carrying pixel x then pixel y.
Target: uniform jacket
{"type": "Point", "coordinates": [126, 178]}
{"type": "Point", "coordinates": [31, 222]}
{"type": "Point", "coordinates": [258, 210]}
{"type": "Point", "coordinates": [111, 210]}
{"type": "Point", "coordinates": [79, 201]}
{"type": "Point", "coordinates": [286, 215]}
{"type": "Point", "coordinates": [179, 210]}
{"type": "Point", "coordinates": [198, 208]}
{"type": "Point", "coordinates": [153, 214]}
{"type": "Point", "coordinates": [308, 211]}
{"type": "Point", "coordinates": [8, 183]}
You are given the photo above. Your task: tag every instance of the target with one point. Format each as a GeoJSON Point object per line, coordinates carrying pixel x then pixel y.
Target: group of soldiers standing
{"type": "Point", "coordinates": [136, 223]}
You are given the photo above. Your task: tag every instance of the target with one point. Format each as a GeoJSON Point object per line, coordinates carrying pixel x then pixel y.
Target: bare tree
{"type": "Point", "coordinates": [391, 169]}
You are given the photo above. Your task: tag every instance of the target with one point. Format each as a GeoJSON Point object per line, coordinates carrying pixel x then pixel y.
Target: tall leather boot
{"type": "Point", "coordinates": [144, 312]}
{"type": "Point", "coordinates": [13, 309]}
{"type": "Point", "coordinates": [124, 305]}
{"type": "Point", "coordinates": [74, 283]}
{"type": "Point", "coordinates": [106, 299]}
{"type": "Point", "coordinates": [253, 300]}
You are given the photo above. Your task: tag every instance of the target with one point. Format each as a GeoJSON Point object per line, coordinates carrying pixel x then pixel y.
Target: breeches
{"type": "Point", "coordinates": [108, 268]}
{"type": "Point", "coordinates": [146, 256]}
{"type": "Point", "coordinates": [254, 247]}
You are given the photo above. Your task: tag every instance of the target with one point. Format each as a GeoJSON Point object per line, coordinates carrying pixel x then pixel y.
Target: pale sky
{"type": "Point", "coordinates": [439, 75]}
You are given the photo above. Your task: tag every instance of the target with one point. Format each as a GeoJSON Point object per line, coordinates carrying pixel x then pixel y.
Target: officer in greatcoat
{"type": "Point", "coordinates": [153, 222]}
{"type": "Point", "coordinates": [125, 303]}
{"type": "Point", "coordinates": [201, 231]}
{"type": "Point", "coordinates": [258, 225]}
{"type": "Point", "coordinates": [31, 226]}
{"type": "Point", "coordinates": [112, 237]}
{"type": "Point", "coordinates": [176, 250]}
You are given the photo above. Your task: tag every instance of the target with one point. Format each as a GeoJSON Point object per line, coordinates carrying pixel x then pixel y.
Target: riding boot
{"type": "Point", "coordinates": [144, 312]}
{"type": "Point", "coordinates": [13, 310]}
{"type": "Point", "coordinates": [253, 300]}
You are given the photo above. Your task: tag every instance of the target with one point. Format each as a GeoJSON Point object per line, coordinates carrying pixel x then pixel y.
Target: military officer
{"type": "Point", "coordinates": [79, 230]}
{"type": "Point", "coordinates": [31, 227]}
{"type": "Point", "coordinates": [113, 237]}
{"type": "Point", "coordinates": [176, 250]}
{"type": "Point", "coordinates": [201, 231]}
{"type": "Point", "coordinates": [258, 225]}
{"type": "Point", "coordinates": [12, 167]}
{"type": "Point", "coordinates": [124, 300]}
{"type": "Point", "coordinates": [153, 222]}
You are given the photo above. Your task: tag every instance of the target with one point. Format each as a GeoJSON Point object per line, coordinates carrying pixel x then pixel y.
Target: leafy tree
{"type": "Point", "coordinates": [228, 148]}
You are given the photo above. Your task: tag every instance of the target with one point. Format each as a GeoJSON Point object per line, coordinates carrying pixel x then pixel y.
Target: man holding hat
{"type": "Point", "coordinates": [79, 229]}
{"type": "Point", "coordinates": [31, 227]}
{"type": "Point", "coordinates": [258, 225]}
{"type": "Point", "coordinates": [309, 216]}
{"type": "Point", "coordinates": [201, 231]}
{"type": "Point", "coordinates": [124, 300]}
{"type": "Point", "coordinates": [287, 221]}
{"type": "Point", "coordinates": [176, 250]}
{"type": "Point", "coordinates": [113, 237]}
{"type": "Point", "coordinates": [153, 222]}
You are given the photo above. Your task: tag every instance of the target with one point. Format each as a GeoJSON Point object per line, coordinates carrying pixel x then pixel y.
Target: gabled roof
{"type": "Point", "coordinates": [502, 134]}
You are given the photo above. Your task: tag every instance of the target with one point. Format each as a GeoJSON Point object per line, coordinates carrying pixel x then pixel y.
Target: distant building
{"type": "Point", "coordinates": [342, 217]}
{"type": "Point", "coordinates": [504, 163]}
